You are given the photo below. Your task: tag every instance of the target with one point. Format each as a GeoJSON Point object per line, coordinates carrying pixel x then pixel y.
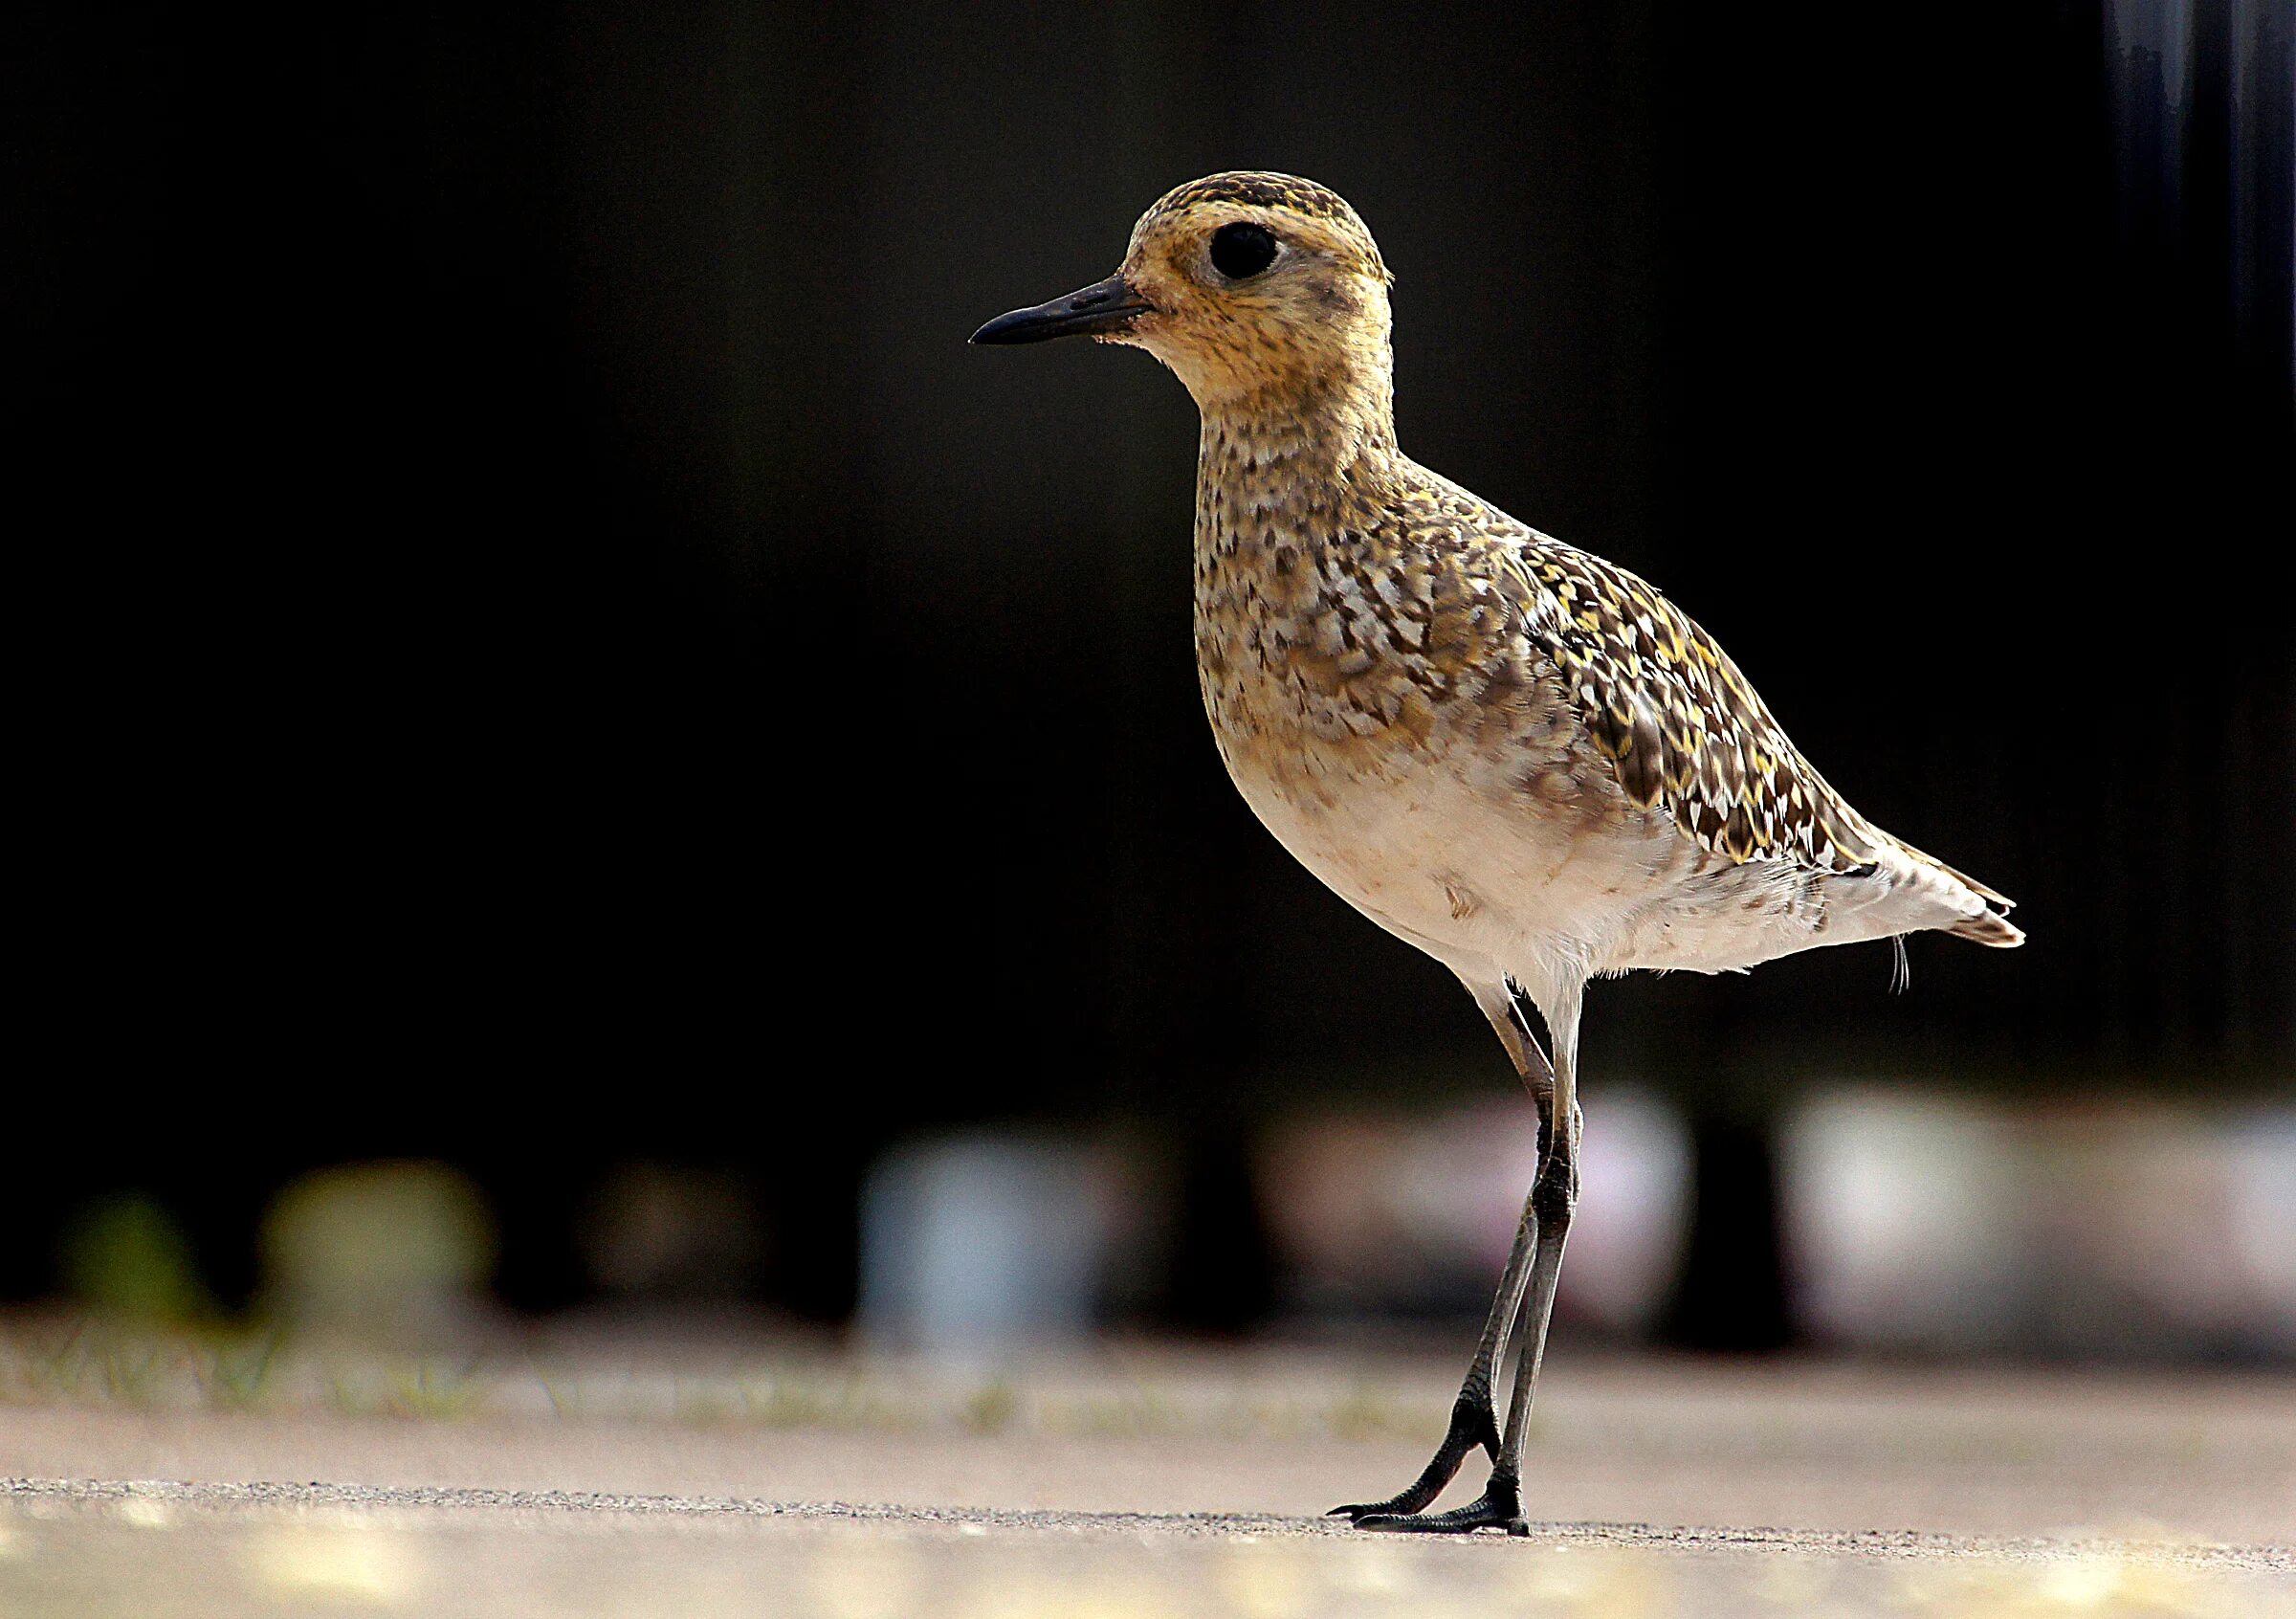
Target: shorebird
{"type": "Point", "coordinates": [1520, 758]}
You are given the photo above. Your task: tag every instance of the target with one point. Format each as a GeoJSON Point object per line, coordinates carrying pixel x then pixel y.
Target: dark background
{"type": "Point", "coordinates": [540, 645]}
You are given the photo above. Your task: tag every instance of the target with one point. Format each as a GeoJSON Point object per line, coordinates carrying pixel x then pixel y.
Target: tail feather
{"type": "Point", "coordinates": [1990, 927]}
{"type": "Point", "coordinates": [2000, 900]}
{"type": "Point", "coordinates": [1985, 925]}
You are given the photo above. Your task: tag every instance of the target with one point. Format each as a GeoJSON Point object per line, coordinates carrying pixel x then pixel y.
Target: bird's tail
{"type": "Point", "coordinates": [1981, 914]}
{"type": "Point", "coordinates": [1991, 928]}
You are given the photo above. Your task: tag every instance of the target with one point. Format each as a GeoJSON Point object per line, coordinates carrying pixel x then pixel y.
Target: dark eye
{"type": "Point", "coordinates": [1240, 251]}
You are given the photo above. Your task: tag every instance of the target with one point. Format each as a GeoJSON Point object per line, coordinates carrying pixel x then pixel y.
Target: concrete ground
{"type": "Point", "coordinates": [1136, 1482]}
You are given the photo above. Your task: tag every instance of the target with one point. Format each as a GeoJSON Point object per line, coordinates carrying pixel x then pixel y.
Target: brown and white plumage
{"type": "Point", "coordinates": [1519, 757]}
{"type": "Point", "coordinates": [1684, 730]}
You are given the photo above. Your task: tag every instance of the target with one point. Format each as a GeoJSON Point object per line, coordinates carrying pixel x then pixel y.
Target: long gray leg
{"type": "Point", "coordinates": [1554, 1196]}
{"type": "Point", "coordinates": [1475, 1419]}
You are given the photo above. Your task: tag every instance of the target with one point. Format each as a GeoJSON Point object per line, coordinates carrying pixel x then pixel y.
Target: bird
{"type": "Point", "coordinates": [1515, 755]}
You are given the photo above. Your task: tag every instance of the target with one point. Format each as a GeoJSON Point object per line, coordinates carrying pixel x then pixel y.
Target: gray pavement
{"type": "Point", "coordinates": [1160, 1482]}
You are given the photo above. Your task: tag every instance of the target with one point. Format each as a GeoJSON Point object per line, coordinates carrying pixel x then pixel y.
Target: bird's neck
{"type": "Point", "coordinates": [1302, 454]}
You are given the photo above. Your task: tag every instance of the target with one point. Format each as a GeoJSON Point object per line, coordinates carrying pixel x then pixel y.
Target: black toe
{"type": "Point", "coordinates": [1500, 1506]}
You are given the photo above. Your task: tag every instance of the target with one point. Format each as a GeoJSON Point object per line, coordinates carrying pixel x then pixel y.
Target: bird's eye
{"type": "Point", "coordinates": [1241, 251]}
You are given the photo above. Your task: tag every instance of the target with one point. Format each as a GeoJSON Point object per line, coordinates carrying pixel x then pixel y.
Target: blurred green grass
{"type": "Point", "coordinates": [109, 1362]}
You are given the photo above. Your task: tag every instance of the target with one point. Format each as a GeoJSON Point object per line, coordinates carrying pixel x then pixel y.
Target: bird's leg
{"type": "Point", "coordinates": [1553, 1198]}
{"type": "Point", "coordinates": [1474, 1418]}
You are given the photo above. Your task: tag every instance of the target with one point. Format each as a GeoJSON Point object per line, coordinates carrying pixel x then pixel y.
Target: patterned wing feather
{"type": "Point", "coordinates": [1678, 723]}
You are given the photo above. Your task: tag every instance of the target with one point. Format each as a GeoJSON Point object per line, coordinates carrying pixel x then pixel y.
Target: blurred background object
{"type": "Point", "coordinates": [2080, 1229]}
{"type": "Point", "coordinates": [984, 1242]}
{"type": "Point", "coordinates": [126, 1256]}
{"type": "Point", "coordinates": [663, 1231]}
{"type": "Point", "coordinates": [538, 786]}
{"type": "Point", "coordinates": [387, 1248]}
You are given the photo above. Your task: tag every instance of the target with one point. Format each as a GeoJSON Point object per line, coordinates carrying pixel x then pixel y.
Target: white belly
{"type": "Point", "coordinates": [1485, 887]}
{"type": "Point", "coordinates": [1475, 876]}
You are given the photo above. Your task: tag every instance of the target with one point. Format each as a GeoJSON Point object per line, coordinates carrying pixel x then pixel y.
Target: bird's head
{"type": "Point", "coordinates": [1253, 287]}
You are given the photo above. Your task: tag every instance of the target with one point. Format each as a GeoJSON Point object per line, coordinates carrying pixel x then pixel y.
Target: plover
{"type": "Point", "coordinates": [1518, 756]}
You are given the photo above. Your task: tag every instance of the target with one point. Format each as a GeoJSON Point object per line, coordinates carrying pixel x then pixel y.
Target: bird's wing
{"type": "Point", "coordinates": [1678, 723]}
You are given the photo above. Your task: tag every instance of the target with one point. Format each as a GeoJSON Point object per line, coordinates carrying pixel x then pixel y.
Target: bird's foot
{"type": "Point", "coordinates": [1500, 1506]}
{"type": "Point", "coordinates": [1473, 1423]}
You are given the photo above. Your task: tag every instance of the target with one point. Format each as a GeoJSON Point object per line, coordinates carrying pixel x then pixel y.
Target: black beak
{"type": "Point", "coordinates": [1103, 308]}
